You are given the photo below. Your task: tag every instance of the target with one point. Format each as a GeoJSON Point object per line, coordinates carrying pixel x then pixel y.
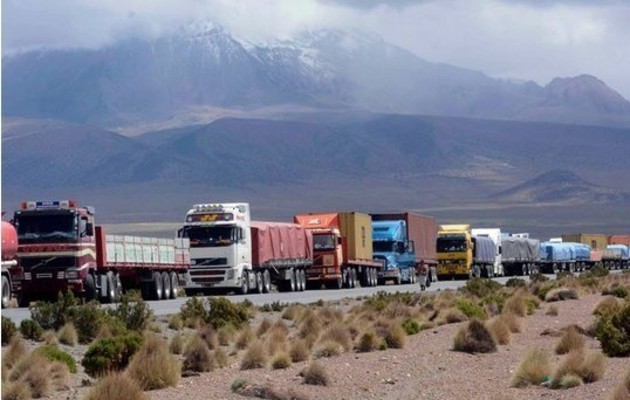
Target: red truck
{"type": "Point", "coordinates": [61, 249]}
{"type": "Point", "coordinates": [9, 263]}
{"type": "Point", "coordinates": [342, 249]}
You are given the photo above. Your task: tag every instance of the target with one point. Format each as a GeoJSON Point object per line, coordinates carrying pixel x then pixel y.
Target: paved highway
{"type": "Point", "coordinates": [167, 307]}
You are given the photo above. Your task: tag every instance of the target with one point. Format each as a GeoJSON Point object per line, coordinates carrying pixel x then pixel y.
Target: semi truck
{"type": "Point", "coordinates": [556, 256]}
{"type": "Point", "coordinates": [61, 249]}
{"type": "Point", "coordinates": [9, 263]}
{"type": "Point", "coordinates": [230, 252]}
{"type": "Point", "coordinates": [342, 249]}
{"type": "Point", "coordinates": [519, 255]}
{"type": "Point", "coordinates": [616, 256]}
{"type": "Point", "coordinates": [403, 242]}
{"type": "Point", "coordinates": [460, 254]}
{"type": "Point", "coordinates": [495, 235]}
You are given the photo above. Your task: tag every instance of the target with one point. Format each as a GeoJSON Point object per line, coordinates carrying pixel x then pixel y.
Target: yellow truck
{"type": "Point", "coordinates": [461, 254]}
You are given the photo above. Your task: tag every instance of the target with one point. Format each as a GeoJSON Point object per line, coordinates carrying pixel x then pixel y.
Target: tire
{"type": "Point", "coordinates": [155, 287]}
{"type": "Point", "coordinates": [292, 281]}
{"type": "Point", "coordinates": [266, 282]}
{"type": "Point", "coordinates": [90, 287]}
{"type": "Point", "coordinates": [338, 284]}
{"type": "Point", "coordinates": [259, 283]}
{"type": "Point", "coordinates": [244, 289]}
{"type": "Point", "coordinates": [303, 278]}
{"type": "Point", "coordinates": [6, 292]}
{"type": "Point", "coordinates": [353, 278]}
{"type": "Point", "coordinates": [174, 285]}
{"type": "Point", "coordinates": [398, 279]}
{"type": "Point", "coordinates": [166, 285]}
{"type": "Point", "coordinates": [110, 290]}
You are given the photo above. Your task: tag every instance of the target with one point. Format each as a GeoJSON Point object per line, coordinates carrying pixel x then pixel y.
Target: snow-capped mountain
{"type": "Point", "coordinates": [203, 65]}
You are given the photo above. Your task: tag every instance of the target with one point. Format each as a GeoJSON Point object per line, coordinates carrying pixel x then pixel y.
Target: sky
{"type": "Point", "coordinates": [513, 39]}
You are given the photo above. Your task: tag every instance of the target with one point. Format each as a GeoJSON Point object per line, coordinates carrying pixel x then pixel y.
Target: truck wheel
{"type": "Point", "coordinates": [266, 282]}
{"type": "Point", "coordinates": [90, 287]}
{"type": "Point", "coordinates": [304, 282]}
{"type": "Point", "coordinates": [166, 285]}
{"type": "Point", "coordinates": [244, 289]}
{"type": "Point", "coordinates": [174, 285]}
{"type": "Point", "coordinates": [353, 277]}
{"type": "Point", "coordinates": [156, 286]}
{"type": "Point", "coordinates": [398, 280]}
{"type": "Point", "coordinates": [6, 292]}
{"type": "Point", "coordinates": [292, 282]}
{"type": "Point", "coordinates": [338, 284]}
{"type": "Point", "coordinates": [110, 290]}
{"type": "Point", "coordinates": [259, 283]}
{"type": "Point", "coordinates": [374, 277]}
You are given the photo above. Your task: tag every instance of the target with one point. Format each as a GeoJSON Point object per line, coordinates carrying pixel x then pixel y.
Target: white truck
{"type": "Point", "coordinates": [495, 235]}
{"type": "Point", "coordinates": [230, 252]}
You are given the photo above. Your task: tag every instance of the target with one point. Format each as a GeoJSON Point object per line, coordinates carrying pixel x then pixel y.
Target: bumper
{"type": "Point", "coordinates": [389, 273]}
{"type": "Point", "coordinates": [219, 278]}
{"type": "Point", "coordinates": [319, 273]}
{"type": "Point", "coordinates": [49, 289]}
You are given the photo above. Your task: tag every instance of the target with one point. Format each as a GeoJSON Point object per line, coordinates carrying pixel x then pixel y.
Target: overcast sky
{"type": "Point", "coordinates": [521, 39]}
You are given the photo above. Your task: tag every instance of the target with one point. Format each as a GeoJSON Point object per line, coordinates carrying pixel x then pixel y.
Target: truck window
{"type": "Point", "coordinates": [446, 245]}
{"type": "Point", "coordinates": [42, 228]}
{"type": "Point", "coordinates": [210, 236]}
{"type": "Point", "coordinates": [324, 242]}
{"type": "Point", "coordinates": [83, 225]}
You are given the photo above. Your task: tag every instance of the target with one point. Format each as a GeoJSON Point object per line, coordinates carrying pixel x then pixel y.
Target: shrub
{"type": "Point", "coordinates": [474, 338]}
{"type": "Point", "coordinates": [339, 334]}
{"type": "Point", "coordinates": [38, 379]}
{"type": "Point", "coordinates": [245, 337]}
{"type": "Point", "coordinates": [411, 326]}
{"type": "Point", "coordinates": [53, 353]}
{"type": "Point", "coordinates": [621, 292]}
{"type": "Point", "coordinates": [193, 310]}
{"type": "Point", "coordinates": [54, 315]}
{"type": "Point", "coordinates": [470, 309]}
{"type": "Point", "coordinates": [481, 287]}
{"type": "Point", "coordinates": [8, 330]}
{"type": "Point", "coordinates": [570, 381]}
{"type": "Point", "coordinates": [500, 330]}
{"type": "Point", "coordinates": [17, 350]}
{"type": "Point", "coordinates": [153, 366]}
{"type": "Point", "coordinates": [561, 294]}
{"type": "Point", "coordinates": [533, 369]}
{"type": "Point", "coordinates": [197, 356]}
{"type": "Point", "coordinates": [622, 390]}
{"type": "Point", "coordinates": [538, 277]}
{"type": "Point", "coordinates": [30, 329]}
{"type": "Point", "coordinates": [223, 312]}
{"type": "Point", "coordinates": [328, 349]}
{"type": "Point", "coordinates": [116, 386]}
{"type": "Point", "coordinates": [589, 366]}
{"type": "Point", "coordinates": [59, 374]}
{"type": "Point", "coordinates": [263, 327]}
{"type": "Point", "coordinates": [299, 351]}
{"type": "Point", "coordinates": [90, 319]}
{"type": "Point", "coordinates": [209, 336]}
{"type": "Point", "coordinates": [68, 335]}
{"type": "Point", "coordinates": [596, 271]}
{"type": "Point", "coordinates": [16, 391]}
{"type": "Point", "coordinates": [516, 305]}
{"type": "Point", "coordinates": [552, 310]}
{"type": "Point", "coordinates": [513, 322]}
{"type": "Point", "coordinates": [609, 305]}
{"type": "Point", "coordinates": [516, 283]}
{"type": "Point", "coordinates": [111, 353]}
{"type": "Point", "coordinates": [176, 345]}
{"type": "Point", "coordinates": [368, 341]}
{"type": "Point", "coordinates": [315, 374]}
{"type": "Point", "coordinates": [134, 313]}
{"type": "Point", "coordinates": [281, 361]}
{"type": "Point", "coordinates": [225, 335]}
{"type": "Point", "coordinates": [175, 322]}
{"type": "Point", "coordinates": [613, 332]}
{"type": "Point", "coordinates": [238, 384]}
{"type": "Point", "coordinates": [221, 358]}
{"type": "Point", "coordinates": [255, 356]}
{"type": "Point", "coordinates": [571, 340]}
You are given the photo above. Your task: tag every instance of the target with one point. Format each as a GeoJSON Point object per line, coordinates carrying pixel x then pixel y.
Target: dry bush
{"type": "Point", "coordinates": [37, 378]}
{"type": "Point", "coordinates": [516, 305]}
{"type": "Point", "coordinates": [276, 340]}
{"type": "Point", "coordinates": [15, 351]}
{"type": "Point", "coordinates": [197, 356]}
{"type": "Point", "coordinates": [255, 356]}
{"type": "Point", "coordinates": [552, 310]}
{"type": "Point", "coordinates": [368, 341]}
{"type": "Point", "coordinates": [622, 390]}
{"type": "Point", "coordinates": [609, 305]}
{"type": "Point", "coordinates": [245, 337]}
{"type": "Point", "coordinates": [474, 338]}
{"type": "Point", "coordinates": [590, 366]}
{"type": "Point", "coordinates": [561, 294]}
{"type": "Point", "coordinates": [299, 351]}
{"type": "Point", "coordinates": [329, 315]}
{"type": "Point", "coordinates": [153, 366]}
{"type": "Point", "coordinates": [339, 334]}
{"type": "Point", "coordinates": [221, 358]}
{"type": "Point", "coordinates": [569, 381]}
{"type": "Point", "coordinates": [25, 364]}
{"type": "Point", "coordinates": [60, 375]}
{"type": "Point", "coordinates": [175, 322]}
{"type": "Point", "coordinates": [514, 322]}
{"type": "Point", "coordinates": [315, 374]}
{"type": "Point", "coordinates": [310, 326]}
{"type": "Point", "coordinates": [226, 334]}
{"type": "Point", "coordinates": [209, 335]}
{"type": "Point", "coordinates": [571, 340]}
{"type": "Point", "coordinates": [280, 326]}
{"type": "Point", "coordinates": [176, 345]}
{"type": "Point", "coordinates": [293, 312]}
{"type": "Point", "coordinates": [395, 336]}
{"type": "Point", "coordinates": [452, 316]}
{"type": "Point", "coordinates": [67, 335]}
{"type": "Point", "coordinates": [49, 338]}
{"type": "Point", "coordinates": [16, 391]}
{"type": "Point", "coordinates": [500, 330]}
{"type": "Point", "coordinates": [532, 369]}
{"type": "Point", "coordinates": [328, 349]}
{"type": "Point", "coordinates": [116, 386]}
{"type": "Point", "coordinates": [281, 361]}
{"type": "Point", "coordinates": [263, 327]}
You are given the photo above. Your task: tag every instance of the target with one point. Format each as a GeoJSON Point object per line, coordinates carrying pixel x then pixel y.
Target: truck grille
{"type": "Point", "coordinates": [205, 276]}
{"type": "Point", "coordinates": [47, 262]}
{"type": "Point", "coordinates": [203, 262]}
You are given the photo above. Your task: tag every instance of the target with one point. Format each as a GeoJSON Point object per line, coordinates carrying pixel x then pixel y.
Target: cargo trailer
{"type": "Point", "coordinates": [520, 255]}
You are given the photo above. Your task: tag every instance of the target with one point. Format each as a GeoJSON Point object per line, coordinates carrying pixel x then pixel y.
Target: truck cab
{"type": "Point", "coordinates": [390, 244]}
{"type": "Point", "coordinates": [454, 251]}
{"type": "Point", "coordinates": [57, 248]}
{"type": "Point", "coordinates": [220, 246]}
{"type": "Point", "coordinates": [495, 235]}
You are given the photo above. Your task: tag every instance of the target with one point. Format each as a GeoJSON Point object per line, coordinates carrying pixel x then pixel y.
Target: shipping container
{"type": "Point", "coordinates": [421, 230]}
{"type": "Point", "coordinates": [619, 239]}
{"type": "Point", "coordinates": [595, 241]}
{"type": "Point", "coordinates": [357, 228]}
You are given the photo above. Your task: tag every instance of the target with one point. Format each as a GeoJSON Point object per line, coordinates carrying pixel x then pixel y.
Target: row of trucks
{"type": "Point", "coordinates": [218, 248]}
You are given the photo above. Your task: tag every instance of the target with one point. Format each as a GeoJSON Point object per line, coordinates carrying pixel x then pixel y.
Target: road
{"type": "Point", "coordinates": [167, 307]}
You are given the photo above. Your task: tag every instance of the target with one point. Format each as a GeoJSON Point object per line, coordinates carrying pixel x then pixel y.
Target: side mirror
{"type": "Point", "coordinates": [180, 233]}
{"type": "Point", "coordinates": [89, 229]}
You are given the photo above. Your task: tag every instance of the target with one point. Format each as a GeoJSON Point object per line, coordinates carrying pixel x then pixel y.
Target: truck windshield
{"type": "Point", "coordinates": [447, 245]}
{"type": "Point", "coordinates": [46, 228]}
{"type": "Point", "coordinates": [324, 242]}
{"type": "Point", "coordinates": [384, 246]}
{"type": "Point", "coordinates": [210, 236]}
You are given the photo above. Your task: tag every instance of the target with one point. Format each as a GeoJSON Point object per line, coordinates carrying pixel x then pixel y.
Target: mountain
{"type": "Point", "coordinates": [202, 67]}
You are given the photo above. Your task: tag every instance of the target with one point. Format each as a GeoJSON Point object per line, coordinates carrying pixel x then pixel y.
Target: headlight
{"type": "Point", "coordinates": [230, 274]}
{"type": "Point", "coordinates": [72, 274]}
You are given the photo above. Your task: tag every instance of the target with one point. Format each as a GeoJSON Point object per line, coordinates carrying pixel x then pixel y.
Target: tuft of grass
{"type": "Point", "coordinates": [293, 312]}
{"type": "Point", "coordinates": [209, 335]}
{"type": "Point", "coordinates": [561, 295]}
{"type": "Point", "coordinates": [395, 336]}
{"type": "Point", "coordinates": [15, 352]}
{"type": "Point", "coordinates": [411, 326]}
{"type": "Point", "coordinates": [368, 341]}
{"type": "Point", "coordinates": [36, 376]}
{"type": "Point", "coordinates": [176, 345]}
{"type": "Point", "coordinates": [470, 309]}
{"type": "Point", "coordinates": [281, 361]}
{"type": "Point", "coordinates": [238, 384]}
{"type": "Point", "coordinates": [315, 374]}
{"type": "Point", "coordinates": [197, 356]}
{"type": "Point", "coordinates": [176, 322]}
{"type": "Point", "coordinates": [339, 334]}
{"type": "Point", "coordinates": [221, 358]}
{"type": "Point", "coordinates": [16, 391]}
{"type": "Point", "coordinates": [474, 338]}
{"type": "Point", "coordinates": [499, 330]}
{"type": "Point", "coordinates": [622, 390]}
{"type": "Point", "coordinates": [53, 353]}
{"type": "Point", "coordinates": [589, 366]}
{"type": "Point", "coordinates": [516, 305]}
{"type": "Point", "coordinates": [255, 356]}
{"type": "Point", "coordinates": [570, 381]}
{"type": "Point", "coordinates": [454, 316]}
{"type": "Point", "coordinates": [532, 369]}
{"type": "Point", "coordinates": [328, 349]}
{"type": "Point", "coordinates": [116, 386]}
{"type": "Point", "coordinates": [225, 335]}
{"type": "Point", "coordinates": [49, 337]}
{"type": "Point", "coordinates": [245, 337]}
{"type": "Point", "coordinates": [299, 351]}
{"type": "Point", "coordinates": [68, 335]}
{"type": "Point", "coordinates": [276, 340]}
{"type": "Point", "coordinates": [570, 341]}
{"type": "Point", "coordinates": [59, 374]}
{"type": "Point", "coordinates": [153, 366]}
{"type": "Point", "coordinates": [514, 322]}
{"type": "Point", "coordinates": [552, 311]}
{"type": "Point", "coordinates": [608, 306]}
{"type": "Point", "coordinates": [263, 327]}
